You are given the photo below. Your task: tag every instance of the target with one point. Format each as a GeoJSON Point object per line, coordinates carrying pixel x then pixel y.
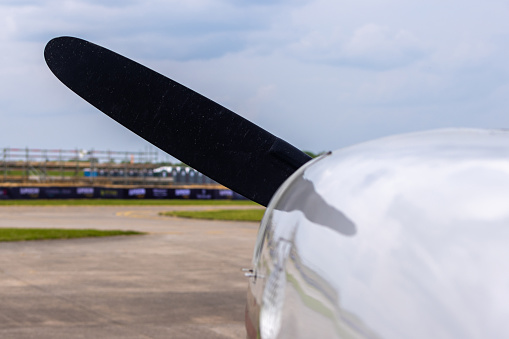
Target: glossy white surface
{"type": "Point", "coordinates": [418, 246]}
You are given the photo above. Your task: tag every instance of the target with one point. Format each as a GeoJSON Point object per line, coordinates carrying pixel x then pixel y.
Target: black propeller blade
{"type": "Point", "coordinates": [183, 123]}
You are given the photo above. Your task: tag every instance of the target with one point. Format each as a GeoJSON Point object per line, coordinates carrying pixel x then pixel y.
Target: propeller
{"type": "Point", "coordinates": [192, 128]}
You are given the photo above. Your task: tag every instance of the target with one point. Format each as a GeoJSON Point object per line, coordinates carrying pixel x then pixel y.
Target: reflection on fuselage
{"type": "Point", "coordinates": [416, 247]}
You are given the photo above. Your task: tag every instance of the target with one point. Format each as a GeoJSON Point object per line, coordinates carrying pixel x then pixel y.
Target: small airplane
{"type": "Point", "coordinates": [401, 237]}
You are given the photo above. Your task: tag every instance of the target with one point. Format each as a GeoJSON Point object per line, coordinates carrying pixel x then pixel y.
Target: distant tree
{"type": "Point", "coordinates": [77, 160]}
{"type": "Point", "coordinates": [313, 155]}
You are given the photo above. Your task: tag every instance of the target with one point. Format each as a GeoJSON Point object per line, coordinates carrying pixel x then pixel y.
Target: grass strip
{"type": "Point", "coordinates": [24, 234]}
{"type": "Point", "coordinates": [235, 215]}
{"type": "Point", "coordinates": [69, 173]}
{"type": "Point", "coordinates": [124, 202]}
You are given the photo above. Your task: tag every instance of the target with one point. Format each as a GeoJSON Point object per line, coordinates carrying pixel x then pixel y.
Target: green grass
{"type": "Point", "coordinates": [236, 215]}
{"type": "Point", "coordinates": [24, 234]}
{"type": "Point", "coordinates": [123, 202]}
{"type": "Point", "coordinates": [65, 174]}
{"type": "Point", "coordinates": [69, 173]}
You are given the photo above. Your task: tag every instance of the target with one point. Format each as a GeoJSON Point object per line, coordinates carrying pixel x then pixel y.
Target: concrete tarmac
{"type": "Point", "coordinates": [182, 280]}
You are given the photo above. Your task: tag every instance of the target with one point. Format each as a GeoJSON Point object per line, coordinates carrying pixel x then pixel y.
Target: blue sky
{"type": "Point", "coordinates": [321, 74]}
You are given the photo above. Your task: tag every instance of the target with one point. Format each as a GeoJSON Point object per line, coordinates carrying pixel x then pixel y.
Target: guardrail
{"type": "Point", "coordinates": [80, 167]}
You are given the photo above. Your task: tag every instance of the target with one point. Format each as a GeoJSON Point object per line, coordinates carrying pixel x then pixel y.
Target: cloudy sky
{"type": "Point", "coordinates": [321, 74]}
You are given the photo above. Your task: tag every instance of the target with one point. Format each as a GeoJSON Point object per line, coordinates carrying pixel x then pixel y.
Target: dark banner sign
{"type": "Point", "coordinates": [58, 192]}
{"type": "Point", "coordinates": [4, 193]}
{"type": "Point", "coordinates": [202, 194]}
{"type": "Point", "coordinates": [25, 192]}
{"type": "Point", "coordinates": [116, 193]}
{"type": "Point", "coordinates": [160, 193]}
{"type": "Point", "coordinates": [109, 193]}
{"type": "Point", "coordinates": [182, 193]}
{"type": "Point", "coordinates": [85, 192]}
{"type": "Point", "coordinates": [223, 194]}
{"type": "Point", "coordinates": [136, 193]}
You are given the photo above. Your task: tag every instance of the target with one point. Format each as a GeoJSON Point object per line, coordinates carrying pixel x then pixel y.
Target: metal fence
{"type": "Point", "coordinates": [60, 166]}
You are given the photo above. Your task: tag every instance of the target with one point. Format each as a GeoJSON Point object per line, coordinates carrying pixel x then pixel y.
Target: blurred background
{"type": "Point", "coordinates": [321, 74]}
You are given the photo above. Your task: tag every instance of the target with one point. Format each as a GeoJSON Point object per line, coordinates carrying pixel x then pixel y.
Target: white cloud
{"type": "Point", "coordinates": [370, 46]}
{"type": "Point", "coordinates": [199, 29]}
{"type": "Point", "coordinates": [256, 104]}
{"type": "Point", "coordinates": [378, 46]}
{"type": "Point", "coordinates": [320, 73]}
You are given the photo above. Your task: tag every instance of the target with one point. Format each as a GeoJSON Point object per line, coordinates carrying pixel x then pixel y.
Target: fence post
{"type": "Point", "coordinates": [61, 164]}
{"type": "Point", "coordinates": [125, 167]}
{"type": "Point", "coordinates": [27, 164]}
{"type": "Point", "coordinates": [45, 154]}
{"type": "Point", "coordinates": [92, 165]}
{"type": "Point", "coordinates": [5, 164]}
{"type": "Point", "coordinates": [77, 165]}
